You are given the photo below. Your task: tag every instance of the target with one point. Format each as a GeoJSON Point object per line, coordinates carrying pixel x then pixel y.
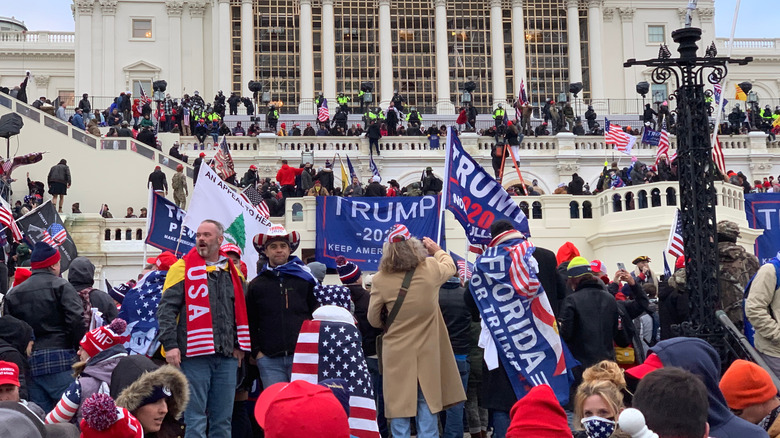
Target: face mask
{"type": "Point", "coordinates": [598, 427]}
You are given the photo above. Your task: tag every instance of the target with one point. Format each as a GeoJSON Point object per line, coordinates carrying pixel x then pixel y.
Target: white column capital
{"type": "Point", "coordinates": [384, 3]}
{"type": "Point", "coordinates": [174, 7]}
{"type": "Point", "coordinates": [324, 2]}
{"type": "Point", "coordinates": [706, 14]}
{"type": "Point", "coordinates": [246, 1]}
{"type": "Point", "coordinates": [224, 1]}
{"type": "Point", "coordinates": [595, 3]}
{"type": "Point", "coordinates": [609, 14]}
{"type": "Point", "coordinates": [108, 7]}
{"type": "Point", "coordinates": [85, 7]}
{"type": "Point", "coordinates": [197, 9]}
{"type": "Point", "coordinates": [303, 3]}
{"type": "Point", "coordinates": [495, 3]}
{"type": "Point", "coordinates": [517, 3]}
{"type": "Point", "coordinates": [440, 3]}
{"type": "Point", "coordinates": [41, 81]}
{"type": "Point", "coordinates": [626, 14]}
{"type": "Point", "coordinates": [572, 4]}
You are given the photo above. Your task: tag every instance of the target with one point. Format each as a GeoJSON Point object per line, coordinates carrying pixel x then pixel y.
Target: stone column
{"type": "Point", "coordinates": [443, 98]}
{"type": "Point", "coordinates": [306, 103]}
{"type": "Point", "coordinates": [174, 8]}
{"type": "Point", "coordinates": [518, 47]}
{"type": "Point", "coordinates": [629, 74]}
{"type": "Point", "coordinates": [83, 69]}
{"type": "Point", "coordinates": [247, 47]}
{"type": "Point", "coordinates": [573, 32]}
{"type": "Point", "coordinates": [194, 79]}
{"type": "Point", "coordinates": [596, 52]}
{"type": "Point", "coordinates": [42, 88]}
{"type": "Point", "coordinates": [329, 53]}
{"type": "Point", "coordinates": [225, 56]}
{"type": "Point", "coordinates": [385, 54]}
{"type": "Point", "coordinates": [108, 9]}
{"type": "Point", "coordinates": [497, 53]}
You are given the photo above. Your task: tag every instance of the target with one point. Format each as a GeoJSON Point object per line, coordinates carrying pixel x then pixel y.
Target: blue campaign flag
{"type": "Point", "coordinates": [372, 165]}
{"type": "Point", "coordinates": [357, 227]}
{"type": "Point", "coordinates": [651, 137]}
{"type": "Point", "coordinates": [474, 197]}
{"type": "Point", "coordinates": [352, 172]}
{"type": "Point", "coordinates": [763, 213]}
{"type": "Point", "coordinates": [165, 227]}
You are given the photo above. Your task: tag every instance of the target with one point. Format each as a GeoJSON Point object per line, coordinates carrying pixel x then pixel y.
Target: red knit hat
{"type": "Point", "coordinates": [104, 337]}
{"type": "Point", "coordinates": [679, 263]}
{"type": "Point", "coordinates": [301, 410]}
{"type": "Point", "coordinates": [20, 275]}
{"type": "Point", "coordinates": [102, 418]}
{"type": "Point", "coordinates": [538, 415]}
{"type": "Point", "coordinates": [745, 384]}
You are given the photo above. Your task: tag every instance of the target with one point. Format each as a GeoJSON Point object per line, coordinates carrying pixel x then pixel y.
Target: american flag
{"type": "Point", "coordinates": [67, 406]}
{"type": "Point", "coordinates": [521, 273]}
{"type": "Point", "coordinates": [8, 166]}
{"type": "Point", "coordinates": [663, 147]}
{"type": "Point", "coordinates": [332, 350]}
{"type": "Point", "coordinates": [675, 245]}
{"type": "Point", "coordinates": [465, 269]}
{"type": "Point", "coordinates": [224, 161]}
{"type": "Point", "coordinates": [7, 220]}
{"type": "Point", "coordinates": [143, 93]}
{"type": "Point", "coordinates": [251, 195]}
{"type": "Point", "coordinates": [374, 168]}
{"type": "Point", "coordinates": [323, 115]}
{"type": "Point", "coordinates": [55, 235]}
{"type": "Point", "coordinates": [614, 134]}
{"type": "Point", "coordinates": [717, 156]}
{"type": "Point", "coordinates": [139, 310]}
{"type": "Point", "coordinates": [522, 98]}
{"type": "Point", "coordinates": [476, 248]}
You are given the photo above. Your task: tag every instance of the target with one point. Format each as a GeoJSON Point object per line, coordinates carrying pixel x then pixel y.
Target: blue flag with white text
{"type": "Point", "coordinates": [165, 227]}
{"type": "Point", "coordinates": [763, 213]}
{"type": "Point", "coordinates": [474, 197]}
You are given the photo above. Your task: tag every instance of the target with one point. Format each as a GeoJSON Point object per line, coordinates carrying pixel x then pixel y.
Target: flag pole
{"type": "Point", "coordinates": [721, 104]}
{"type": "Point", "coordinates": [148, 213]}
{"type": "Point", "coordinates": [443, 195]}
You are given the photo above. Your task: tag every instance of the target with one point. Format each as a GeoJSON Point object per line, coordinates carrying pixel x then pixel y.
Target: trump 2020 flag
{"type": "Point", "coordinates": [522, 326]}
{"type": "Point", "coordinates": [332, 350]}
{"type": "Point", "coordinates": [474, 197]}
{"type": "Point", "coordinates": [213, 199]}
{"type": "Point", "coordinates": [44, 225]}
{"type": "Point", "coordinates": [165, 230]}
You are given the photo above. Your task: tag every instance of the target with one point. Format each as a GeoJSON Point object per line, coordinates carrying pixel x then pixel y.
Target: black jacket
{"type": "Point", "coordinates": [158, 180]}
{"type": "Point", "coordinates": [360, 298]}
{"type": "Point", "coordinates": [589, 323]}
{"type": "Point", "coordinates": [672, 309]}
{"type": "Point", "coordinates": [15, 335]}
{"type": "Point", "coordinates": [373, 132]}
{"type": "Point", "coordinates": [81, 275]}
{"type": "Point", "coordinates": [51, 306]}
{"type": "Point", "coordinates": [375, 189]}
{"type": "Point", "coordinates": [553, 284]}
{"type": "Point", "coordinates": [456, 315]}
{"type": "Point", "coordinates": [277, 307]}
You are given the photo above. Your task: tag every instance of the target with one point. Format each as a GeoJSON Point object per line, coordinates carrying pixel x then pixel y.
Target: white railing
{"type": "Point", "coordinates": [749, 43]}
{"type": "Point", "coordinates": [40, 37]}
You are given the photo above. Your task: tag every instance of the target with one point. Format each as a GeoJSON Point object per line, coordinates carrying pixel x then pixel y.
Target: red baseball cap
{"type": "Point", "coordinates": [231, 247]}
{"type": "Point", "coordinates": [301, 410]}
{"type": "Point", "coordinates": [652, 363]}
{"type": "Point", "coordinates": [163, 261]}
{"type": "Point", "coordinates": [9, 373]}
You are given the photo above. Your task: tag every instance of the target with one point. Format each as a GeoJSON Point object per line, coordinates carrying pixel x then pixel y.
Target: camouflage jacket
{"type": "Point", "coordinates": [737, 267]}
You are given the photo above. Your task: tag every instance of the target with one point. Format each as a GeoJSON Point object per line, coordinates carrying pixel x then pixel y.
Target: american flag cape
{"type": "Point", "coordinates": [675, 245]}
{"type": "Point", "coordinates": [332, 350]}
{"type": "Point", "coordinates": [139, 310]}
{"type": "Point", "coordinates": [223, 160]}
{"type": "Point", "coordinates": [614, 134]}
{"type": "Point", "coordinates": [323, 115]}
{"type": "Point", "coordinates": [663, 147]}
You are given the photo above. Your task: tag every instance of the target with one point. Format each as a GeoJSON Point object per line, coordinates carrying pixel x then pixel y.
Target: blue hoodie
{"type": "Point", "coordinates": [698, 357]}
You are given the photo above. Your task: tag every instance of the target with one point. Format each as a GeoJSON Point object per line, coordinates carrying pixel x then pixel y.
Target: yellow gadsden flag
{"type": "Point", "coordinates": [740, 94]}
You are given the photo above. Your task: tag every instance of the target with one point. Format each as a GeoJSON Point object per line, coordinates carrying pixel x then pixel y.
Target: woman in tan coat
{"type": "Point", "coordinates": [421, 377]}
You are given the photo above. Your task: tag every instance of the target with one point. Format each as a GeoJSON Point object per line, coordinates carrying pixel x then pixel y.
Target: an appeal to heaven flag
{"type": "Point", "coordinates": [213, 199]}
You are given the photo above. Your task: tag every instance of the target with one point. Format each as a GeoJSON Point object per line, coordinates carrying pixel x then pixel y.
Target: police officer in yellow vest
{"type": "Point", "coordinates": [343, 102]}
{"type": "Point", "coordinates": [498, 115]}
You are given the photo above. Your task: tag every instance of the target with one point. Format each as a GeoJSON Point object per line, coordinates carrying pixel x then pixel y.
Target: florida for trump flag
{"type": "Point", "coordinates": [332, 350]}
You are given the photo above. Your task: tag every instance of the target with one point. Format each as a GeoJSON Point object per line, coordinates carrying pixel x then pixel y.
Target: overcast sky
{"type": "Point", "coordinates": [757, 18]}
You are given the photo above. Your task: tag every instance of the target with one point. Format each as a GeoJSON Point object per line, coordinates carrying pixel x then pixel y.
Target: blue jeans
{"type": "Point", "coordinates": [500, 423]}
{"type": "Point", "coordinates": [453, 425]}
{"type": "Point", "coordinates": [427, 422]}
{"type": "Point", "coordinates": [379, 396]}
{"type": "Point", "coordinates": [45, 391]}
{"type": "Point", "coordinates": [275, 369]}
{"type": "Point", "coordinates": [212, 382]}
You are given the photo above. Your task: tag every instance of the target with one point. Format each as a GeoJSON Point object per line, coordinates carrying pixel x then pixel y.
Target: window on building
{"type": "Point", "coordinates": [67, 96]}
{"type": "Point", "coordinates": [656, 34]}
{"type": "Point", "coordinates": [141, 83]}
{"type": "Point", "coordinates": [659, 92]}
{"type": "Point", "coordinates": [142, 28]}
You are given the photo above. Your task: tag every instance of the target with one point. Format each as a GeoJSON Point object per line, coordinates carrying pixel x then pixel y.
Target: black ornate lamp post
{"type": "Point", "coordinates": [696, 173]}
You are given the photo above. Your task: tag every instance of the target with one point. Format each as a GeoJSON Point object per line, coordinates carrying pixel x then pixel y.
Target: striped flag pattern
{"type": "Point", "coordinates": [224, 161]}
{"type": "Point", "coordinates": [718, 157]}
{"type": "Point", "coordinates": [67, 406]}
{"type": "Point", "coordinates": [465, 269]}
{"type": "Point", "coordinates": [663, 147]}
{"type": "Point", "coordinates": [520, 273]}
{"type": "Point", "coordinates": [251, 195]}
{"type": "Point", "coordinates": [323, 115]}
{"type": "Point", "coordinates": [675, 245]}
{"type": "Point", "coordinates": [55, 235]}
{"type": "Point", "coordinates": [622, 140]}
{"type": "Point", "coordinates": [332, 350]}
{"type": "Point", "coordinates": [7, 220]}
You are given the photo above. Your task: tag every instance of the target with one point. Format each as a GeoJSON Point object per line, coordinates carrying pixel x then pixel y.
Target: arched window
{"type": "Point", "coordinates": [574, 210]}
{"type": "Point", "coordinates": [671, 196]}
{"type": "Point", "coordinates": [128, 234]}
{"type": "Point", "coordinates": [139, 234]}
{"type": "Point", "coordinates": [655, 197]}
{"type": "Point", "coordinates": [524, 207]}
{"type": "Point", "coordinates": [587, 210]}
{"type": "Point", "coordinates": [118, 234]}
{"type": "Point", "coordinates": [108, 234]}
{"type": "Point", "coordinates": [536, 210]}
{"type": "Point", "coordinates": [629, 201]}
{"type": "Point", "coordinates": [617, 204]}
{"type": "Point", "coordinates": [642, 198]}
{"type": "Point", "coordinates": [297, 212]}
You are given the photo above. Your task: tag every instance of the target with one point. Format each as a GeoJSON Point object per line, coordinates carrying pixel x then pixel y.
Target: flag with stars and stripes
{"type": "Point", "coordinates": [68, 405]}
{"type": "Point", "coordinates": [8, 166]}
{"type": "Point", "coordinates": [44, 225]}
{"type": "Point", "coordinates": [7, 220]}
{"type": "Point", "coordinates": [675, 245]}
{"type": "Point", "coordinates": [332, 350]}
{"type": "Point", "coordinates": [55, 235]}
{"type": "Point", "coordinates": [663, 147]}
{"type": "Point", "coordinates": [465, 268]}
{"type": "Point", "coordinates": [223, 160]}
{"type": "Point", "coordinates": [255, 198]}
{"type": "Point", "coordinates": [332, 294]}
{"type": "Point", "coordinates": [614, 134]}
{"type": "Point", "coordinates": [323, 115]}
{"type": "Point", "coordinates": [718, 157]}
{"type": "Point", "coordinates": [139, 310]}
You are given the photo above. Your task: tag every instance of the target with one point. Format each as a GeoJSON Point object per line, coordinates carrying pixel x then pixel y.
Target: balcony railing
{"type": "Point", "coordinates": [40, 37]}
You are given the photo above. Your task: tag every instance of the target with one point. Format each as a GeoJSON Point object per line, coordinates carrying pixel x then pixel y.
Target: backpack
{"type": "Point", "coordinates": [749, 330]}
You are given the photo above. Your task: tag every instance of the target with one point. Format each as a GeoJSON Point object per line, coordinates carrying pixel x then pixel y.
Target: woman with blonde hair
{"type": "Point", "coordinates": [421, 376]}
{"type": "Point", "coordinates": [599, 401]}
